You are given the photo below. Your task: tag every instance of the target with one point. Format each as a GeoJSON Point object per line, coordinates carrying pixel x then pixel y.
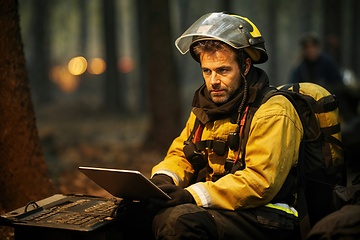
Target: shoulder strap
{"type": "Point", "coordinates": [193, 131]}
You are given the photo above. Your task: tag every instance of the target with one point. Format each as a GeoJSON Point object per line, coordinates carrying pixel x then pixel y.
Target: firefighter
{"type": "Point", "coordinates": [219, 189]}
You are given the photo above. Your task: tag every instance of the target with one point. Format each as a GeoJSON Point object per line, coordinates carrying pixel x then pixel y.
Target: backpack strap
{"type": "Point", "coordinates": [326, 104]}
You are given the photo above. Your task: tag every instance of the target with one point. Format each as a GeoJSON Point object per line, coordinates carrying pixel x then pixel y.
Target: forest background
{"type": "Point", "coordinates": [108, 87]}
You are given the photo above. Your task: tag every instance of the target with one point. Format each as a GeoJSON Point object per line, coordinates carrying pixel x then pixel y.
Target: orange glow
{"type": "Point", "coordinates": [77, 65]}
{"type": "Point", "coordinates": [64, 79]}
{"type": "Point", "coordinates": [126, 64]}
{"type": "Point", "coordinates": [97, 66]}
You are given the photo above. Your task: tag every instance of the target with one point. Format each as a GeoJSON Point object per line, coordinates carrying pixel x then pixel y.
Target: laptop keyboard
{"type": "Point", "coordinates": [74, 218]}
{"type": "Point", "coordinates": [103, 207]}
{"type": "Point", "coordinates": [81, 214]}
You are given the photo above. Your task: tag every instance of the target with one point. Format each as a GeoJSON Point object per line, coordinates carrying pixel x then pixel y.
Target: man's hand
{"type": "Point", "coordinates": [178, 196]}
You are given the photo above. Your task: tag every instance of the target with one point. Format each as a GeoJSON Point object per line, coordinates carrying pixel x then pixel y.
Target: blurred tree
{"type": "Point", "coordinates": [356, 52]}
{"type": "Point", "coordinates": [39, 55]}
{"type": "Point", "coordinates": [143, 54]}
{"type": "Point", "coordinates": [163, 87]}
{"type": "Point", "coordinates": [115, 89]}
{"type": "Point", "coordinates": [271, 10]}
{"type": "Point", "coordinates": [23, 175]}
{"type": "Point", "coordinates": [224, 5]}
{"type": "Point", "coordinates": [333, 27]}
{"type": "Point", "coordinates": [84, 21]}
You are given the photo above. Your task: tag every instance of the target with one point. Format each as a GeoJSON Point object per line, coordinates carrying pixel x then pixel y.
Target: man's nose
{"type": "Point", "coordinates": [214, 78]}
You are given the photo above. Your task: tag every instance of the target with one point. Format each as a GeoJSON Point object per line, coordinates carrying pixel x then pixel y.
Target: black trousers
{"type": "Point", "coordinates": [189, 221]}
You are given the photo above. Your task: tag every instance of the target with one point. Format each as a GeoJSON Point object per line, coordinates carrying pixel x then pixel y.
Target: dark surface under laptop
{"type": "Point", "coordinates": [70, 212]}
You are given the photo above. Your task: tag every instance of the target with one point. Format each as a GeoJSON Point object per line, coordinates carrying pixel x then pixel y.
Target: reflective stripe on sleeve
{"type": "Point", "coordinates": [283, 207]}
{"type": "Point", "coordinates": [203, 194]}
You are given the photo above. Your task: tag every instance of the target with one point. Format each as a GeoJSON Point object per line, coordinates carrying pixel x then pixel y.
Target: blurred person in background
{"type": "Point", "coordinates": [318, 67]}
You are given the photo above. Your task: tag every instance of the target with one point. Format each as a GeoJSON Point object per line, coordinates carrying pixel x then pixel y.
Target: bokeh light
{"type": "Point", "coordinates": [126, 64]}
{"type": "Point", "coordinates": [97, 66]}
{"type": "Point", "coordinates": [64, 79]}
{"type": "Point", "coordinates": [77, 65]}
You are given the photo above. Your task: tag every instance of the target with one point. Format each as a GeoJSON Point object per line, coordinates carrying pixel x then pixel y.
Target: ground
{"type": "Point", "coordinates": [73, 137]}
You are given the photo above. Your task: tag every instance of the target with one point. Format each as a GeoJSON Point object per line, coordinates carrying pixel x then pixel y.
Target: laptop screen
{"type": "Point", "coordinates": [126, 184]}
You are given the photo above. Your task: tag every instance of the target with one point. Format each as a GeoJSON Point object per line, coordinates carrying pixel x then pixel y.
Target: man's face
{"type": "Point", "coordinates": [221, 74]}
{"type": "Point", "coordinates": [311, 52]}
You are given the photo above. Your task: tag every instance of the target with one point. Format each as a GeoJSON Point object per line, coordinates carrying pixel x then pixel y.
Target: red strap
{"type": "Point", "coordinates": [198, 133]}
{"type": "Point", "coordinates": [242, 124]}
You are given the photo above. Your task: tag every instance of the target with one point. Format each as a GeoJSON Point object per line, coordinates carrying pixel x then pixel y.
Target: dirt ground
{"type": "Point", "coordinates": [79, 136]}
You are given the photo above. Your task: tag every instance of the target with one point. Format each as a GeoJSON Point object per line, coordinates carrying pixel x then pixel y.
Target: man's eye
{"type": "Point", "coordinates": [223, 70]}
{"type": "Point", "coordinates": [206, 71]}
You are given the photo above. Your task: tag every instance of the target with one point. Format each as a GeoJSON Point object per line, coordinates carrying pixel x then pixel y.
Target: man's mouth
{"type": "Point", "coordinates": [217, 91]}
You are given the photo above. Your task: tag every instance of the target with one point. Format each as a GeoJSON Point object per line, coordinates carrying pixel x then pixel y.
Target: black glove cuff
{"type": "Point", "coordinates": [161, 179]}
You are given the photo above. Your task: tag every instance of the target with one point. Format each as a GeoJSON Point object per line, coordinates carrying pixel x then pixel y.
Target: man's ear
{"type": "Point", "coordinates": [247, 66]}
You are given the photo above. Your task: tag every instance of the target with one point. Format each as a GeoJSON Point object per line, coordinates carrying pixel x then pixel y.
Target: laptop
{"type": "Point", "coordinates": [69, 212]}
{"type": "Point", "coordinates": [125, 184]}
{"type": "Point", "coordinates": [85, 213]}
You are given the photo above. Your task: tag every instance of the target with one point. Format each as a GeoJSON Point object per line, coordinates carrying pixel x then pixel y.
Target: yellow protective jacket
{"type": "Point", "coordinates": [271, 151]}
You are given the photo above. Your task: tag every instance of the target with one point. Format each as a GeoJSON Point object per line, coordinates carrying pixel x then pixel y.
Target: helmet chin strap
{"type": "Point", "coordinates": [234, 137]}
{"type": "Point", "coordinates": [242, 74]}
{"type": "Point", "coordinates": [242, 104]}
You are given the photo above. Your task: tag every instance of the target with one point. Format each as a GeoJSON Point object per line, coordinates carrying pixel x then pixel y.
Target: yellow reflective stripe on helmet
{"type": "Point", "coordinates": [283, 207]}
{"type": "Point", "coordinates": [254, 54]}
{"type": "Point", "coordinates": [255, 33]}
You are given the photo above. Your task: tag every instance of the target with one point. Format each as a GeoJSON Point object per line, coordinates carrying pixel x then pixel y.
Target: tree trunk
{"type": "Point", "coordinates": [164, 93]}
{"type": "Point", "coordinates": [39, 64]}
{"type": "Point", "coordinates": [333, 27]}
{"type": "Point", "coordinates": [115, 89]}
{"type": "Point", "coordinates": [23, 175]}
{"type": "Point", "coordinates": [271, 11]}
{"type": "Point", "coordinates": [142, 52]}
